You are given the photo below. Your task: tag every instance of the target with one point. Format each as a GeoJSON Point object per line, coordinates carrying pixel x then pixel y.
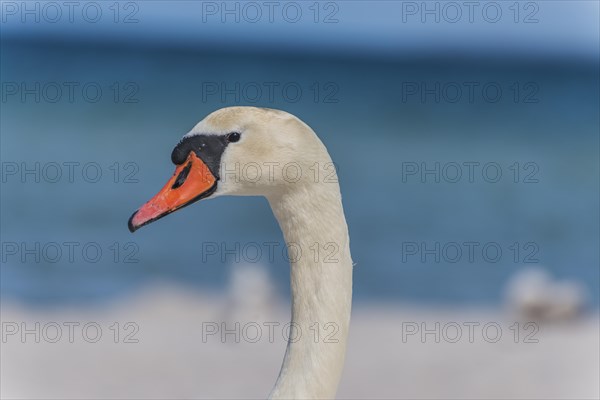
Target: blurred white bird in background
{"type": "Point", "coordinates": [252, 294]}
{"type": "Point", "coordinates": [533, 293]}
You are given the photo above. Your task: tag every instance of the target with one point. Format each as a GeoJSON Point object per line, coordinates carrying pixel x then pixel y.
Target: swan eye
{"type": "Point", "coordinates": [233, 137]}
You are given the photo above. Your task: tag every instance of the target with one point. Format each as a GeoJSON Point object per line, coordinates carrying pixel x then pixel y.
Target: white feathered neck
{"type": "Point", "coordinates": [312, 220]}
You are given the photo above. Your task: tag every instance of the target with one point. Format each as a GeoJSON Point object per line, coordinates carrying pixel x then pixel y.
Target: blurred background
{"type": "Point", "coordinates": [465, 136]}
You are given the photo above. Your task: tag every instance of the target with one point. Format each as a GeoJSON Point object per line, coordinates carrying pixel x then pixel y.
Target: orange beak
{"type": "Point", "coordinates": [191, 182]}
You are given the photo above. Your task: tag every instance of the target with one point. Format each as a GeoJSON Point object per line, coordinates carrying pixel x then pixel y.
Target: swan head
{"type": "Point", "coordinates": [239, 151]}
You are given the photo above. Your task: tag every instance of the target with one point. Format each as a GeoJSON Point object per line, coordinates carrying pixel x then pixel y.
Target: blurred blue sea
{"type": "Point", "coordinates": [370, 131]}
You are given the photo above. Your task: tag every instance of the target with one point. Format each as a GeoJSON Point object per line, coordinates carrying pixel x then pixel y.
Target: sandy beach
{"type": "Point", "coordinates": [168, 342]}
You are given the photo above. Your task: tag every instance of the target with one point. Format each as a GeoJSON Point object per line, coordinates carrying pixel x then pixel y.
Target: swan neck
{"type": "Point", "coordinates": [315, 231]}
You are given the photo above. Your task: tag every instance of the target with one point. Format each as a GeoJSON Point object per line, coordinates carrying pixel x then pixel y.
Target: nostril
{"type": "Point", "coordinates": [182, 176]}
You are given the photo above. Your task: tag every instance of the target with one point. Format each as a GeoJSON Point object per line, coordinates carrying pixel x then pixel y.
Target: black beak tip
{"type": "Point", "coordinates": [130, 225]}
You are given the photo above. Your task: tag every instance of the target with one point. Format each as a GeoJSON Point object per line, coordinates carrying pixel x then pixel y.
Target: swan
{"type": "Point", "coordinates": [249, 151]}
